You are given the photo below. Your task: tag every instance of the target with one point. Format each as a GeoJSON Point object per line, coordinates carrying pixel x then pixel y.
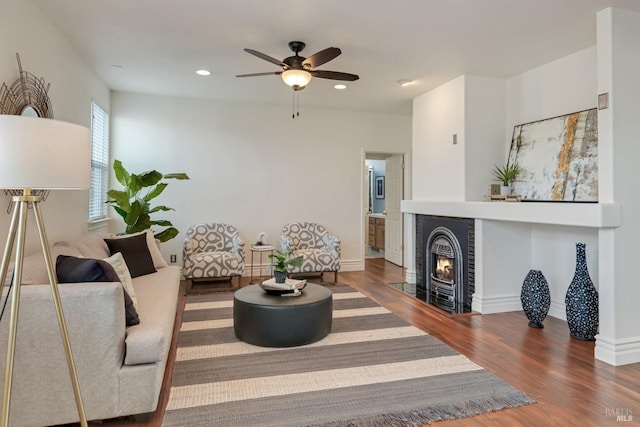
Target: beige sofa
{"type": "Point", "coordinates": [120, 369]}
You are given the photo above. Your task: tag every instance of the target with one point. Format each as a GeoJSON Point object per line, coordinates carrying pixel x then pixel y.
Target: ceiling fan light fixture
{"type": "Point", "coordinates": [296, 78]}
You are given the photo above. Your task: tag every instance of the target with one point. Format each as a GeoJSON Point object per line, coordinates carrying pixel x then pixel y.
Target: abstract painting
{"type": "Point", "coordinates": [559, 158]}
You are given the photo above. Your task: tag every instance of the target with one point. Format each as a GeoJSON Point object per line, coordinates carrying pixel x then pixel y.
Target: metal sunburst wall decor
{"type": "Point", "coordinates": [26, 92]}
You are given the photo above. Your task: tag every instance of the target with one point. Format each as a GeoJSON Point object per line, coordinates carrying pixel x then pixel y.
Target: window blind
{"type": "Point", "coordinates": [99, 163]}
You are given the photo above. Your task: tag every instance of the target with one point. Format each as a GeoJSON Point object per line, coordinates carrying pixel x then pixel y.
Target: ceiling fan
{"type": "Point", "coordinates": [297, 70]}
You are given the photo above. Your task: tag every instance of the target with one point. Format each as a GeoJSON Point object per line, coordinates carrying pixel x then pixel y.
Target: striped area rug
{"type": "Point", "coordinates": [373, 369]}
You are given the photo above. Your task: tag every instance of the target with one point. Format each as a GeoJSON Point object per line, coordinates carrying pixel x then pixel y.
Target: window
{"type": "Point", "coordinates": [99, 163]}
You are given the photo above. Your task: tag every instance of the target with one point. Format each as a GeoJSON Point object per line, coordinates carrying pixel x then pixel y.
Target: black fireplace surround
{"type": "Point", "coordinates": [461, 229]}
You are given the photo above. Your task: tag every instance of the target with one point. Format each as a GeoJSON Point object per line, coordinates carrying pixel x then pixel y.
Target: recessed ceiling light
{"type": "Point", "coordinates": [203, 72]}
{"type": "Point", "coordinates": [405, 82]}
{"type": "Point", "coordinates": [340, 86]}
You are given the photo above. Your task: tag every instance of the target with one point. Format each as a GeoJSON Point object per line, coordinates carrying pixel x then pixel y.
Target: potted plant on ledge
{"type": "Point", "coordinates": [506, 175]}
{"type": "Point", "coordinates": [281, 261]}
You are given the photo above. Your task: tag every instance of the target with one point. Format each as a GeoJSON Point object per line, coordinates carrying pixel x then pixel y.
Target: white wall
{"type": "Point", "coordinates": [484, 144]}
{"type": "Point", "coordinates": [503, 251]}
{"type": "Point", "coordinates": [472, 109]}
{"type": "Point", "coordinates": [482, 111]}
{"type": "Point", "coordinates": [45, 53]}
{"type": "Point", "coordinates": [560, 87]}
{"type": "Point", "coordinates": [253, 165]}
{"type": "Point", "coordinates": [438, 165]}
{"type": "Point", "coordinates": [564, 86]}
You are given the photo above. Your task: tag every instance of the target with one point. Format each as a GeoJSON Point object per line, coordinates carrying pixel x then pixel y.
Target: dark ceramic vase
{"type": "Point", "coordinates": [535, 298]}
{"type": "Point", "coordinates": [582, 300]}
{"type": "Point", "coordinates": [280, 276]}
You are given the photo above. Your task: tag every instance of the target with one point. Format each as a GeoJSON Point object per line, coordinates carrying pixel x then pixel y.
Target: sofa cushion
{"type": "Point", "coordinates": [34, 270]}
{"type": "Point", "coordinates": [120, 267]}
{"type": "Point", "coordinates": [90, 245]}
{"type": "Point", "coordinates": [135, 252]}
{"type": "Point", "coordinates": [71, 269]}
{"type": "Point", "coordinates": [157, 293]}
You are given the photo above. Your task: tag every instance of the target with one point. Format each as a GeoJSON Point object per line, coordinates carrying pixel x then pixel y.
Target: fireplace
{"type": "Point", "coordinates": [444, 262]}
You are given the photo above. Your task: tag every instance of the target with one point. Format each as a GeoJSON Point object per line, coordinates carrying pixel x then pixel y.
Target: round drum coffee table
{"type": "Point", "coordinates": [282, 321]}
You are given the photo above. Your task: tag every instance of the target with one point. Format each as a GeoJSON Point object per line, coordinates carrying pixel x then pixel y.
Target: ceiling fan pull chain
{"type": "Point", "coordinates": [297, 104]}
{"type": "Point", "coordinates": [293, 105]}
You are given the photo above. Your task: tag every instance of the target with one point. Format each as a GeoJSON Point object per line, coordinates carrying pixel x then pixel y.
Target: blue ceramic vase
{"type": "Point", "coordinates": [535, 298]}
{"type": "Point", "coordinates": [582, 300]}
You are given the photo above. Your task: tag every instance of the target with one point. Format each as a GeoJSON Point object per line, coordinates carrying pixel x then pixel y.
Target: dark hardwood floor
{"type": "Point", "coordinates": [560, 373]}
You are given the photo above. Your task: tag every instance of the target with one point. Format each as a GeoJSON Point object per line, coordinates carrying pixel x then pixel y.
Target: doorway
{"type": "Point", "coordinates": [383, 191]}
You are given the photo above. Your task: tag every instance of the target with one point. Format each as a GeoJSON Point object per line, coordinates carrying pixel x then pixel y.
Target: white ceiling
{"type": "Point", "coordinates": [160, 43]}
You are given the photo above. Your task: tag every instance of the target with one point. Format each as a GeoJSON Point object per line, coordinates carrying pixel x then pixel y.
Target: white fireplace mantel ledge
{"type": "Point", "coordinates": [597, 215]}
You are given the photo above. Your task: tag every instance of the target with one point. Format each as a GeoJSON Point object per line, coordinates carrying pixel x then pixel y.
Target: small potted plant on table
{"type": "Point", "coordinates": [506, 175]}
{"type": "Point", "coordinates": [281, 261]}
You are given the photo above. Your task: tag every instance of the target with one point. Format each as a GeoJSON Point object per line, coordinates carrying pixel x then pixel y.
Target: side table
{"type": "Point", "coordinates": [260, 249]}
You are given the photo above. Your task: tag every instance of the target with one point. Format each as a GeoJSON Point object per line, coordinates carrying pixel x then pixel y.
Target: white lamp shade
{"type": "Point", "coordinates": [43, 154]}
{"type": "Point", "coordinates": [299, 78]}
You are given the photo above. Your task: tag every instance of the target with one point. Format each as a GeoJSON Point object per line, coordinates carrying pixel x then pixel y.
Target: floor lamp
{"type": "Point", "coordinates": [41, 154]}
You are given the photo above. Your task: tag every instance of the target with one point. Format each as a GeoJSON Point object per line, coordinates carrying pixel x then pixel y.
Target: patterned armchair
{"type": "Point", "coordinates": [213, 251]}
{"type": "Point", "coordinates": [320, 250]}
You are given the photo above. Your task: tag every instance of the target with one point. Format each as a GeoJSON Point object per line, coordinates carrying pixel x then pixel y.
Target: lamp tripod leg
{"type": "Point", "coordinates": [58, 305]}
{"type": "Point", "coordinates": [8, 249]}
{"type": "Point", "coordinates": [20, 212]}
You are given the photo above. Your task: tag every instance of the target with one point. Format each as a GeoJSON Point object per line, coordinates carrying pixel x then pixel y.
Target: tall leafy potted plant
{"type": "Point", "coordinates": [280, 263]}
{"type": "Point", "coordinates": [132, 203]}
{"type": "Point", "coordinates": [506, 175]}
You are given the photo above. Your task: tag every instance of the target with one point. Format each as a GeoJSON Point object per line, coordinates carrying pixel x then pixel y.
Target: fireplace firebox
{"type": "Point", "coordinates": [445, 262]}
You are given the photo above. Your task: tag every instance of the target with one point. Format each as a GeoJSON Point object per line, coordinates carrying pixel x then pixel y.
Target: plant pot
{"type": "Point", "coordinates": [505, 190]}
{"type": "Point", "coordinates": [280, 276]}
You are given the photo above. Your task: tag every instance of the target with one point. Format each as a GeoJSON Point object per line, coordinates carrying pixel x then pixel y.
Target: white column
{"type": "Point", "coordinates": [618, 47]}
{"type": "Point", "coordinates": [410, 247]}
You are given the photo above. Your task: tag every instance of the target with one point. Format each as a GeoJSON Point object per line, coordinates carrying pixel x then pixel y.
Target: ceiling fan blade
{"type": "Point", "coordinates": [322, 57]}
{"type": "Point", "coordinates": [265, 57]}
{"type": "Point", "coordinates": [334, 75]}
{"type": "Point", "coordinates": [260, 74]}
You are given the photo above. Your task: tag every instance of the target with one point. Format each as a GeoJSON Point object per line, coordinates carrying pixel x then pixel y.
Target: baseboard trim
{"type": "Point", "coordinates": [617, 352]}
{"type": "Point", "coordinates": [410, 276]}
{"type": "Point", "coordinates": [558, 310]}
{"type": "Point", "coordinates": [352, 265]}
{"type": "Point", "coordinates": [496, 304]}
{"type": "Point", "coordinates": [504, 303]}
